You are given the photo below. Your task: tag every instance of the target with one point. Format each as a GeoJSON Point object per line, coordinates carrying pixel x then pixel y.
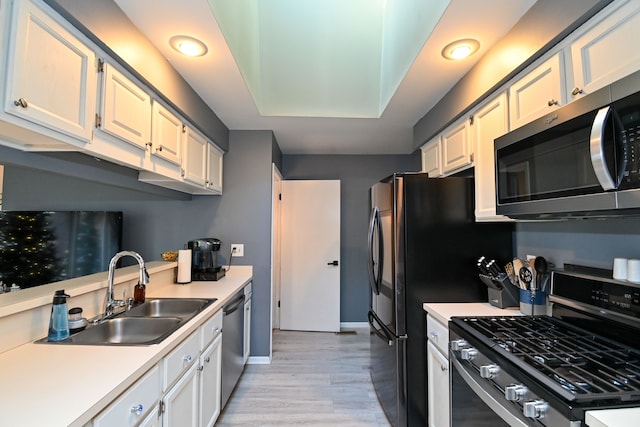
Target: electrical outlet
{"type": "Point", "coordinates": [237, 249]}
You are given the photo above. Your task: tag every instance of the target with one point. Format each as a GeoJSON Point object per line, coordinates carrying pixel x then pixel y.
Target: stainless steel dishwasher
{"type": "Point", "coordinates": [232, 342]}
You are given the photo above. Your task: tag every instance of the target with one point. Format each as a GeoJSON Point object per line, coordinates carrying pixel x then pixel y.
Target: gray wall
{"type": "Point", "coordinates": [357, 174]}
{"type": "Point", "coordinates": [589, 242]}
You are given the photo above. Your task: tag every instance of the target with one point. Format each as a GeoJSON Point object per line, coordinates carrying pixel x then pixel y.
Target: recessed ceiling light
{"type": "Point", "coordinates": [460, 49]}
{"type": "Point", "coordinates": [188, 45]}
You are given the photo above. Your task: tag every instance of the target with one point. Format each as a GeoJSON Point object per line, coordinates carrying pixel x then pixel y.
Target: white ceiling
{"type": "Point", "coordinates": [217, 79]}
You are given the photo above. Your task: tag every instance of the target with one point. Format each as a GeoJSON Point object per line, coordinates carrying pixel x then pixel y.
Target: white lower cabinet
{"type": "Point", "coordinates": [135, 404]}
{"type": "Point", "coordinates": [438, 405]}
{"type": "Point", "coordinates": [209, 383]}
{"type": "Point", "coordinates": [438, 387]}
{"type": "Point", "coordinates": [153, 419]}
{"type": "Point", "coordinates": [248, 292]}
{"type": "Point", "coordinates": [195, 398]}
{"type": "Point", "coordinates": [180, 403]}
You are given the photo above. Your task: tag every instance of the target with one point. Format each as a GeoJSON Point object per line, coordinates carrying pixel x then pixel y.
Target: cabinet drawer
{"type": "Point", "coordinates": [134, 404]}
{"type": "Point", "coordinates": [181, 359]}
{"type": "Point", "coordinates": [438, 334]}
{"type": "Point", "coordinates": [210, 329]}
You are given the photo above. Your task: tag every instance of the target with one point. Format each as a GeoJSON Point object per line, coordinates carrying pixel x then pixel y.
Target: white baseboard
{"type": "Point", "coordinates": [353, 325]}
{"type": "Point", "coordinates": [259, 360]}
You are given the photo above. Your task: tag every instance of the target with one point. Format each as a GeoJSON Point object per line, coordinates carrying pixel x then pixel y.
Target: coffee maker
{"type": "Point", "coordinates": [204, 259]}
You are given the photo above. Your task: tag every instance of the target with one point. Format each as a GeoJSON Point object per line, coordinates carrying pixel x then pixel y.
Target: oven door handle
{"type": "Point", "coordinates": [486, 397]}
{"type": "Point", "coordinates": [596, 148]}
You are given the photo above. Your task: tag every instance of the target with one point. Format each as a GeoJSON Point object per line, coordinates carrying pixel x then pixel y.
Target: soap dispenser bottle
{"type": "Point", "coordinates": [59, 323]}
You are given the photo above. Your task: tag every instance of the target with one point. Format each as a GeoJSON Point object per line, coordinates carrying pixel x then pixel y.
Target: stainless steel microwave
{"type": "Point", "coordinates": [581, 160]}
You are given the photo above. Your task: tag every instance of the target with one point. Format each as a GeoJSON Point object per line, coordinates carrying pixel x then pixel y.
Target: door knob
{"type": "Point", "coordinates": [334, 262]}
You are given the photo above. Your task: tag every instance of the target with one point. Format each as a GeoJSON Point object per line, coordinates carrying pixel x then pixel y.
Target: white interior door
{"type": "Point", "coordinates": [310, 270]}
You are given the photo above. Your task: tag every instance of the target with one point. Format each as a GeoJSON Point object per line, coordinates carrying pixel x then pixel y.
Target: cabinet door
{"type": "Point", "coordinates": [181, 401]}
{"type": "Point", "coordinates": [52, 75]}
{"type": "Point", "coordinates": [602, 54]}
{"type": "Point", "coordinates": [438, 387]}
{"type": "Point", "coordinates": [166, 134]}
{"type": "Point", "coordinates": [214, 168]}
{"type": "Point", "coordinates": [537, 93]}
{"type": "Point", "coordinates": [194, 165]}
{"type": "Point", "coordinates": [456, 147]}
{"type": "Point", "coordinates": [210, 383]}
{"type": "Point", "coordinates": [489, 122]}
{"type": "Point", "coordinates": [431, 158]}
{"type": "Point", "coordinates": [247, 330]}
{"type": "Point", "coordinates": [125, 109]}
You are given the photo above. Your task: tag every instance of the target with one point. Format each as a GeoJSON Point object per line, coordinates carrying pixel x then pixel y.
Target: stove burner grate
{"type": "Point", "coordinates": [580, 362]}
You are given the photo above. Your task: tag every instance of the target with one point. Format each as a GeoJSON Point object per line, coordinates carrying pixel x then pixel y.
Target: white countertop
{"type": "Point", "coordinates": [443, 312]}
{"type": "Point", "coordinates": [67, 385]}
{"type": "Point", "coordinates": [613, 418]}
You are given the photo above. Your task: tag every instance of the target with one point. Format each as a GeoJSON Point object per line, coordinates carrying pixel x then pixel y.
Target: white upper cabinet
{"type": "Point", "coordinates": [457, 151]}
{"type": "Point", "coordinates": [166, 134]}
{"type": "Point", "coordinates": [431, 163]}
{"type": "Point", "coordinates": [214, 169]}
{"type": "Point", "coordinates": [51, 75]}
{"type": "Point", "coordinates": [490, 121]}
{"type": "Point", "coordinates": [194, 160]}
{"type": "Point", "coordinates": [538, 92]}
{"type": "Point", "coordinates": [125, 108]}
{"type": "Point", "coordinates": [603, 50]}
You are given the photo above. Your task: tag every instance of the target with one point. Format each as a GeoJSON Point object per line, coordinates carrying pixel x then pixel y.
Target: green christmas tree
{"type": "Point", "coordinates": [27, 249]}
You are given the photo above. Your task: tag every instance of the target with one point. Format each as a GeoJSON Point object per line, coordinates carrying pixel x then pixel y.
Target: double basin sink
{"type": "Point", "coordinates": [146, 324]}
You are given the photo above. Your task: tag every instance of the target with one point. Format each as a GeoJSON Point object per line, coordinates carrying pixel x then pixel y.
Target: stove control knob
{"type": "Point", "coordinates": [515, 392]}
{"type": "Point", "coordinates": [468, 353]}
{"type": "Point", "coordinates": [489, 371]}
{"type": "Point", "coordinates": [535, 409]}
{"type": "Point", "coordinates": [459, 344]}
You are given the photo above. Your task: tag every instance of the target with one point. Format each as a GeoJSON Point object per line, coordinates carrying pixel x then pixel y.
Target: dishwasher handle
{"type": "Point", "coordinates": [231, 307]}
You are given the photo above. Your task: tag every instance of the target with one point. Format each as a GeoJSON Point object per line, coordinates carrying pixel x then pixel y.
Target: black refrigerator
{"type": "Point", "coordinates": [423, 247]}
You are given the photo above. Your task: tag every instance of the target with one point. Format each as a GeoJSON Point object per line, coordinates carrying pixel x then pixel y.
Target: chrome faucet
{"type": "Point", "coordinates": [110, 302]}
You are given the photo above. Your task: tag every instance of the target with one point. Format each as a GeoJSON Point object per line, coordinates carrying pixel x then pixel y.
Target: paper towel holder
{"type": "Point", "coordinates": [184, 267]}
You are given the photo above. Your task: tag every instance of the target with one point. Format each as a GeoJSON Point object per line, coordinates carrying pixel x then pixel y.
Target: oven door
{"type": "Point", "coordinates": [474, 405]}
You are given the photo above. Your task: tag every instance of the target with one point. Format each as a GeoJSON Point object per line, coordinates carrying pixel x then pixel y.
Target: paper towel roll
{"type": "Point", "coordinates": [184, 266]}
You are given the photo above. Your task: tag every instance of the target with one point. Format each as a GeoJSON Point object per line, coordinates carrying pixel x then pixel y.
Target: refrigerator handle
{"type": "Point", "coordinates": [375, 269]}
{"type": "Point", "coordinates": [380, 332]}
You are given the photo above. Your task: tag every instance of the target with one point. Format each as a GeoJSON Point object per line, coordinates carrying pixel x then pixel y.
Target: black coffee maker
{"type": "Point", "coordinates": [204, 259]}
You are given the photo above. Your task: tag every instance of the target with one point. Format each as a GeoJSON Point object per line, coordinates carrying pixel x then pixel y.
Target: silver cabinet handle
{"type": "Point", "coordinates": [577, 91]}
{"type": "Point", "coordinates": [187, 358]}
{"type": "Point", "coordinates": [137, 409]}
{"type": "Point", "coordinates": [552, 102]}
{"type": "Point", "coordinates": [159, 148]}
{"type": "Point", "coordinates": [21, 103]}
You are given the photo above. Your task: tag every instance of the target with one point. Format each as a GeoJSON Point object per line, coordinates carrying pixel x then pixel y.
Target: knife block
{"type": "Point", "coordinates": [502, 293]}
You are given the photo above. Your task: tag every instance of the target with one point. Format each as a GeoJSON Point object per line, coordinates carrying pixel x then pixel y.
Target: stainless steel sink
{"type": "Point", "coordinates": [170, 307]}
{"type": "Point", "coordinates": [128, 331]}
{"type": "Point", "coordinates": [147, 324]}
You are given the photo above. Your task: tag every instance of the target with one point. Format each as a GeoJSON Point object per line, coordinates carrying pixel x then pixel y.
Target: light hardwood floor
{"type": "Point", "coordinates": [315, 379]}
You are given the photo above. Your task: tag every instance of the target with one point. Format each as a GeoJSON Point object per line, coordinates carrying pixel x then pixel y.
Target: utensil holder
{"type": "Point", "coordinates": [539, 303]}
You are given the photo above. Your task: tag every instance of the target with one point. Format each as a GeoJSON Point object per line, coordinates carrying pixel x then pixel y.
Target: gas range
{"type": "Point", "coordinates": [549, 370]}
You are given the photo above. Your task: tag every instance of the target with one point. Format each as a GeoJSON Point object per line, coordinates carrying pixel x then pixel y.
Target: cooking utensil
{"type": "Point", "coordinates": [518, 264]}
{"type": "Point", "coordinates": [527, 277]}
{"type": "Point", "coordinates": [542, 270]}
{"type": "Point", "coordinates": [510, 273]}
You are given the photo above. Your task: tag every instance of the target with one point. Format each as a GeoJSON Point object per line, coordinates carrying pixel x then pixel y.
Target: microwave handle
{"type": "Point", "coordinates": [596, 147]}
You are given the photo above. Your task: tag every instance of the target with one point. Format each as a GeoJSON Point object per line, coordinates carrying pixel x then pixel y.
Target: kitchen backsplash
{"type": "Point", "coordinates": [591, 242]}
